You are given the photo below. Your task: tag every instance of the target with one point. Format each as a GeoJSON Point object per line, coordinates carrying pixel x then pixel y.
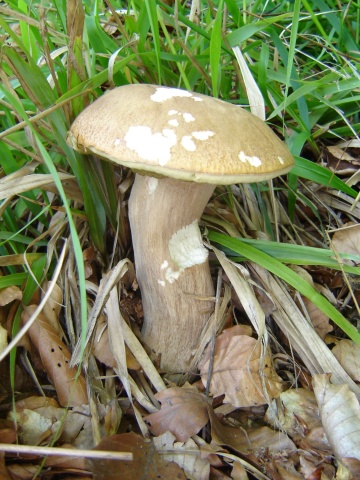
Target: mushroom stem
{"type": "Point", "coordinates": [172, 268]}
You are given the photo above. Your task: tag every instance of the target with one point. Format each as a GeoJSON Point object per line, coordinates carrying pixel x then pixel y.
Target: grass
{"type": "Point", "coordinates": [57, 57]}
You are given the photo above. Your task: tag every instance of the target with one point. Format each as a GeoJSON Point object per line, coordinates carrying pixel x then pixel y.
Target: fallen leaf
{"type": "Point", "coordinates": [350, 469]}
{"type": "Point", "coordinates": [146, 464]}
{"type": "Point", "coordinates": [40, 419]}
{"type": "Point", "coordinates": [183, 413]}
{"type": "Point", "coordinates": [22, 471]}
{"type": "Point", "coordinates": [9, 294]}
{"type": "Point", "coordinates": [340, 162]}
{"type": "Point", "coordinates": [296, 412]}
{"type": "Point", "coordinates": [340, 414]}
{"type": "Point", "coordinates": [249, 441]}
{"type": "Point", "coordinates": [3, 338]}
{"type": "Point", "coordinates": [237, 371]}
{"type": "Point", "coordinates": [4, 473]}
{"type": "Point", "coordinates": [318, 318]}
{"type": "Point", "coordinates": [186, 454]}
{"type": "Point", "coordinates": [56, 360]}
{"type": "Point", "coordinates": [53, 307]}
{"type": "Point", "coordinates": [102, 350]}
{"type": "Point", "coordinates": [348, 355]}
{"type": "Point", "coordinates": [347, 240]}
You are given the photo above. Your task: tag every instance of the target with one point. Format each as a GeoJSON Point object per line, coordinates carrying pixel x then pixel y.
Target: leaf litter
{"type": "Point", "coordinates": [256, 422]}
{"type": "Point", "coordinates": [262, 418]}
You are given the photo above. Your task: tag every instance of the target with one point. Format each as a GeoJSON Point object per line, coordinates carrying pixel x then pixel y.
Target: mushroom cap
{"type": "Point", "coordinates": [169, 132]}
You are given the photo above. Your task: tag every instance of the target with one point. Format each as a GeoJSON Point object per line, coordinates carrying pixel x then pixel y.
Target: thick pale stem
{"type": "Point", "coordinates": [176, 300]}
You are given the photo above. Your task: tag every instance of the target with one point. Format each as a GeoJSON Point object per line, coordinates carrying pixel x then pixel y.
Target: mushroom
{"type": "Point", "coordinates": [181, 145]}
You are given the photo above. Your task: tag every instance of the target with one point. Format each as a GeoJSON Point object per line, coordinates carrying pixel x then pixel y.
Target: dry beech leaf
{"type": "Point", "coordinates": [8, 432]}
{"type": "Point", "coordinates": [146, 464]}
{"type": "Point", "coordinates": [348, 355]}
{"type": "Point", "coordinates": [350, 469]}
{"type": "Point", "coordinates": [340, 415]}
{"type": "Point", "coordinates": [9, 294]}
{"type": "Point", "coordinates": [39, 419]}
{"type": "Point", "coordinates": [318, 318]}
{"type": "Point", "coordinates": [3, 338]}
{"type": "Point", "coordinates": [102, 350]}
{"type": "Point", "coordinates": [56, 359]}
{"type": "Point", "coordinates": [66, 462]}
{"type": "Point", "coordinates": [299, 403]}
{"type": "Point", "coordinates": [250, 441]}
{"type": "Point", "coordinates": [186, 454]}
{"type": "Point", "coordinates": [296, 412]}
{"type": "Point", "coordinates": [313, 469]}
{"type": "Point", "coordinates": [183, 413]}
{"type": "Point", "coordinates": [22, 471]}
{"type": "Point", "coordinates": [53, 306]}
{"type": "Point", "coordinates": [236, 371]}
{"type": "Point", "coordinates": [347, 240]}
{"type": "Point", "coordinates": [238, 471]}
{"type": "Point", "coordinates": [4, 473]}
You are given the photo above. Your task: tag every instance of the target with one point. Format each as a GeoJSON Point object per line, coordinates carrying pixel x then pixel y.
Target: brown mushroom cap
{"type": "Point", "coordinates": [175, 133]}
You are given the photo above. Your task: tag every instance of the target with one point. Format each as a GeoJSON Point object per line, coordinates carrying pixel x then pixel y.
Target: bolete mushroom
{"type": "Point", "coordinates": [181, 145]}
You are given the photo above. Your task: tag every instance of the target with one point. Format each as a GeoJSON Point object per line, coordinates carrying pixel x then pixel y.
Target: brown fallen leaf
{"type": "Point", "coordinates": [56, 360]}
{"type": "Point", "coordinates": [350, 469]}
{"type": "Point", "coordinates": [186, 454]}
{"type": "Point", "coordinates": [9, 294]}
{"type": "Point", "coordinates": [348, 355]}
{"type": "Point", "coordinates": [296, 412]}
{"type": "Point", "coordinates": [250, 441]}
{"type": "Point", "coordinates": [147, 463]}
{"type": "Point", "coordinates": [40, 419]}
{"type": "Point", "coordinates": [347, 240]}
{"type": "Point", "coordinates": [7, 432]}
{"type": "Point", "coordinates": [318, 318]}
{"type": "Point", "coordinates": [237, 371]}
{"type": "Point", "coordinates": [102, 350]}
{"type": "Point", "coordinates": [183, 413]}
{"type": "Point", "coordinates": [4, 473]}
{"type": "Point", "coordinates": [53, 307]}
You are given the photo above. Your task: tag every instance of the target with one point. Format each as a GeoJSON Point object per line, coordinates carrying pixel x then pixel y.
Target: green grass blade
{"type": "Point", "coordinates": [316, 173]}
{"type": "Point", "coordinates": [215, 49]}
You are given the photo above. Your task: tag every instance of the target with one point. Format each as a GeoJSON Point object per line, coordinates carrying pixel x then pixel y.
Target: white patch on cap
{"type": "Point", "coordinates": [188, 143]}
{"type": "Point", "coordinates": [161, 282]}
{"type": "Point", "coordinates": [203, 135]}
{"type": "Point", "coordinates": [162, 94]}
{"type": "Point", "coordinates": [173, 122]}
{"type": "Point", "coordinates": [151, 184]}
{"type": "Point", "coordinates": [253, 161]}
{"type": "Point", "coordinates": [173, 112]}
{"type": "Point", "coordinates": [117, 142]}
{"type": "Point", "coordinates": [164, 265]}
{"type": "Point", "coordinates": [153, 147]}
{"type": "Point", "coordinates": [281, 160]}
{"type": "Point", "coordinates": [186, 247]}
{"type": "Point", "coordinates": [188, 117]}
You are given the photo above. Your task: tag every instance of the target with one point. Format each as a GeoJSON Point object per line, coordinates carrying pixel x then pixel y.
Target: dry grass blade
{"type": "Point", "coordinates": [108, 282]}
{"type": "Point", "coordinates": [65, 452]}
{"type": "Point", "coordinates": [256, 100]}
{"type": "Point", "coordinates": [22, 332]}
{"type": "Point", "coordinates": [302, 336]}
{"type": "Point", "coordinates": [10, 186]}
